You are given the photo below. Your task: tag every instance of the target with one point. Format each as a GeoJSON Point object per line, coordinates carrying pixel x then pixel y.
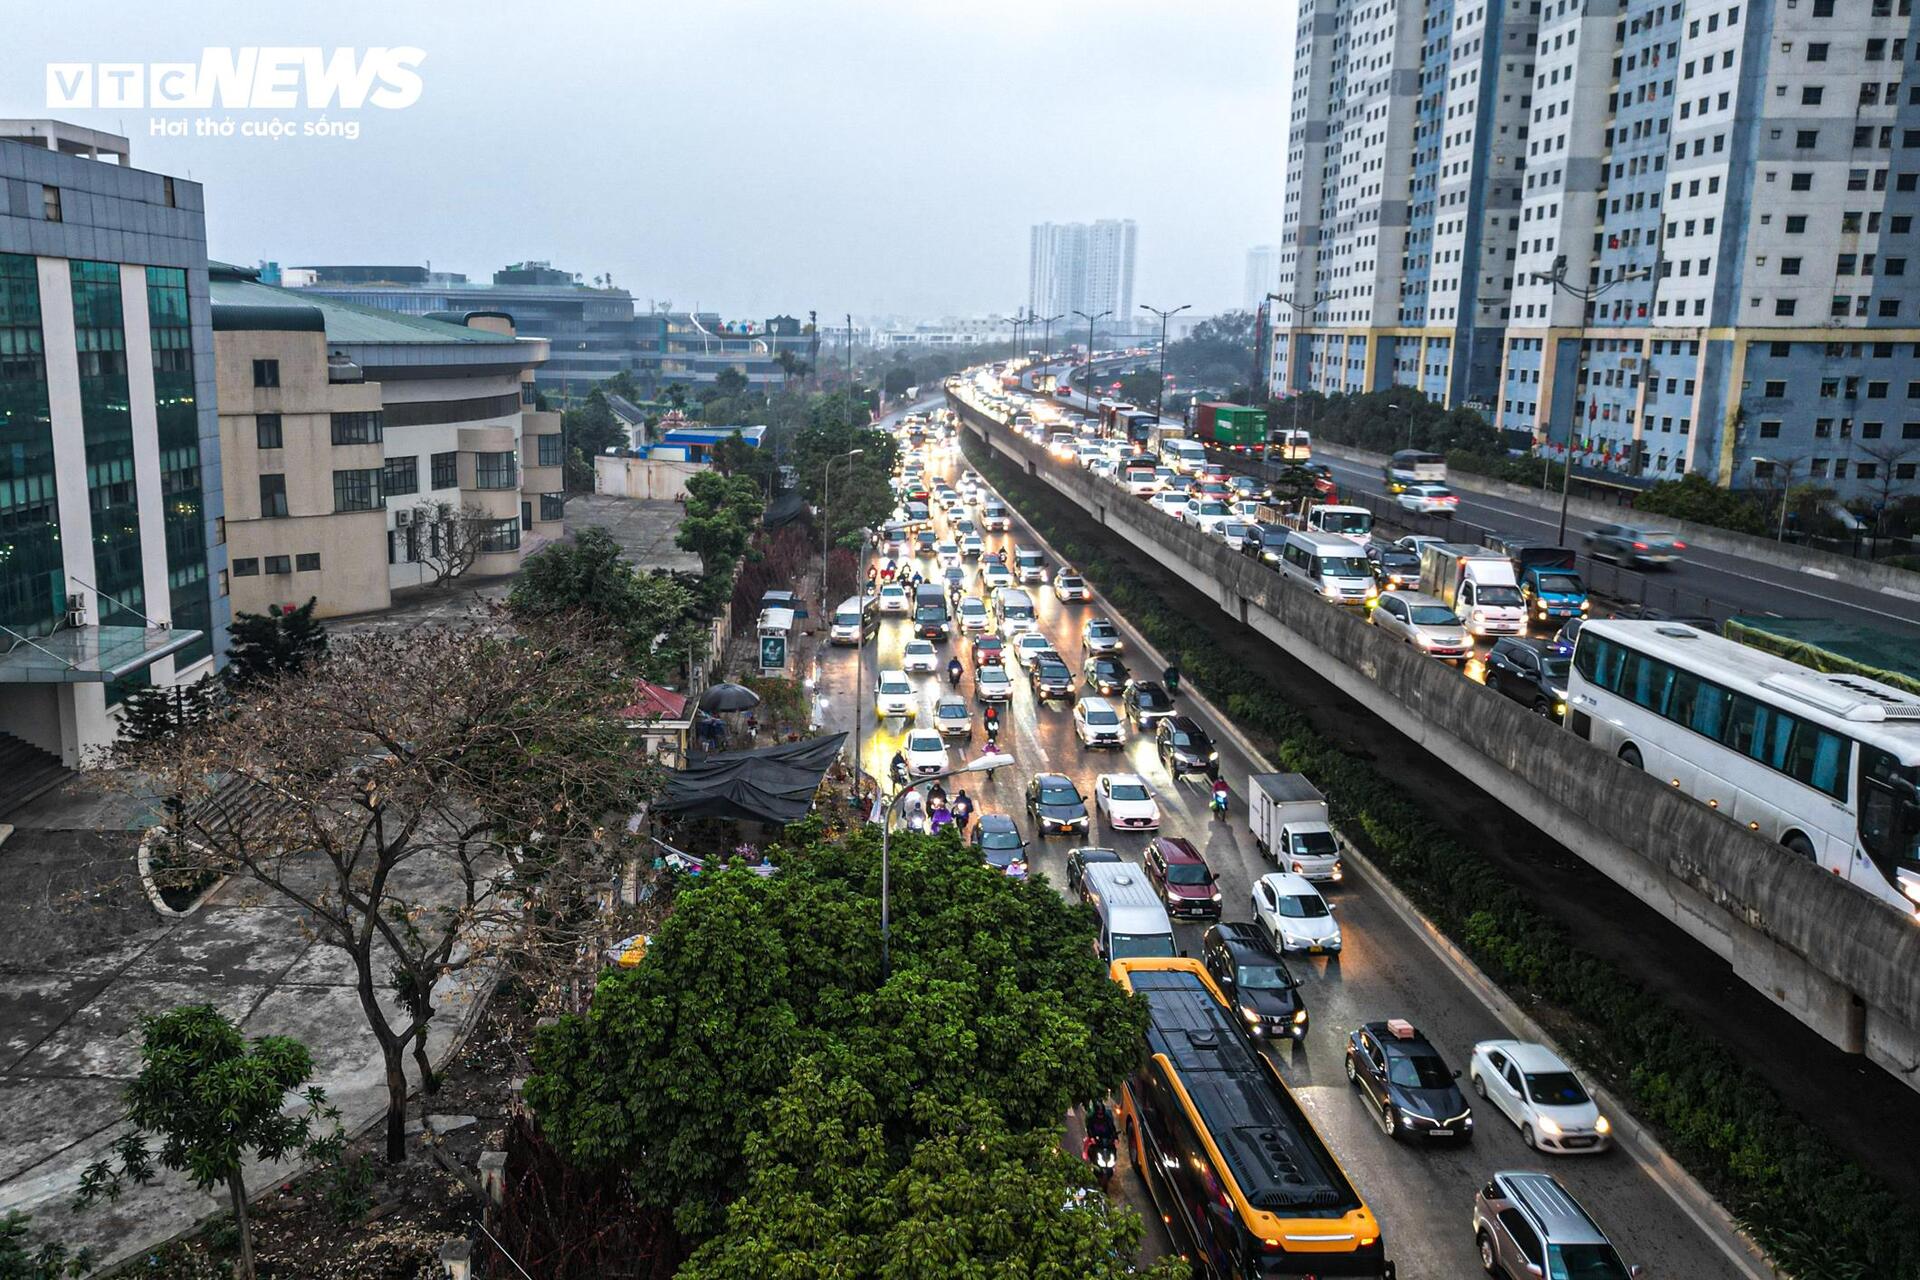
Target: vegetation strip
{"type": "Point", "coordinates": [1818, 1214]}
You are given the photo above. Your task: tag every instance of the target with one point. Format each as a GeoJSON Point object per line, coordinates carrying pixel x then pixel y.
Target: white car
{"type": "Point", "coordinates": [972, 546]}
{"type": "Point", "coordinates": [926, 753]}
{"type": "Point", "coordinates": [952, 716]}
{"type": "Point", "coordinates": [994, 575]}
{"type": "Point", "coordinates": [1205, 513]}
{"type": "Point", "coordinates": [894, 599]}
{"type": "Point", "coordinates": [1233, 532]}
{"type": "Point", "coordinates": [956, 509]}
{"type": "Point", "coordinates": [1170, 502]}
{"type": "Point", "coordinates": [1100, 636]}
{"type": "Point", "coordinates": [1071, 586]}
{"type": "Point", "coordinates": [1028, 646]}
{"type": "Point", "coordinates": [1414, 541]}
{"type": "Point", "coordinates": [992, 684]}
{"type": "Point", "coordinates": [949, 553]}
{"type": "Point", "coordinates": [1429, 499]}
{"type": "Point", "coordinates": [1125, 800]}
{"type": "Point", "coordinates": [1102, 467]}
{"type": "Point", "coordinates": [1097, 723]}
{"type": "Point", "coordinates": [1423, 622]}
{"type": "Point", "coordinates": [1532, 1087]}
{"type": "Point", "coordinates": [1293, 914]}
{"type": "Point", "coordinates": [1142, 483]}
{"type": "Point", "coordinates": [973, 614]}
{"type": "Point", "coordinates": [893, 695]}
{"type": "Point", "coordinates": [919, 656]}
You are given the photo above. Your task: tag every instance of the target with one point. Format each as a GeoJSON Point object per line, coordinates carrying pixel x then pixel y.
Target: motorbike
{"type": "Point", "coordinates": [1218, 803]}
{"type": "Point", "coordinates": [953, 673]}
{"type": "Point", "coordinates": [1102, 1154]}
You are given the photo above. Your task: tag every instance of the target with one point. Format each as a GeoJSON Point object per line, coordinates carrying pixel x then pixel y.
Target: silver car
{"type": "Point", "coordinates": [1424, 623]}
{"type": "Point", "coordinates": [1624, 544]}
{"type": "Point", "coordinates": [1525, 1224]}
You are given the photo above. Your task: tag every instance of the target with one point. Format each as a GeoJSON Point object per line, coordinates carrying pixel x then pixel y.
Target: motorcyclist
{"type": "Point", "coordinates": [899, 768]}
{"type": "Point", "coordinates": [1219, 800]}
{"type": "Point", "coordinates": [962, 809]}
{"type": "Point", "coordinates": [990, 751]}
{"type": "Point", "coordinates": [1100, 1126]}
{"type": "Point", "coordinates": [953, 672]}
{"type": "Point", "coordinates": [914, 810]}
{"type": "Point", "coordinates": [1171, 677]}
{"type": "Point", "coordinates": [939, 815]}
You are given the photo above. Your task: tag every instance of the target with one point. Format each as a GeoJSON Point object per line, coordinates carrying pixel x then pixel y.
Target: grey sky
{"type": "Point", "coordinates": [748, 157]}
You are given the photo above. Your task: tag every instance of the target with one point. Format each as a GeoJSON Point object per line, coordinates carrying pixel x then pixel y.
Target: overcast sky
{"type": "Point", "coordinates": [745, 157]}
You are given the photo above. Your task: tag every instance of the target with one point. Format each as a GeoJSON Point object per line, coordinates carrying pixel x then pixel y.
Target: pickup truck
{"type": "Point", "coordinates": [1288, 818]}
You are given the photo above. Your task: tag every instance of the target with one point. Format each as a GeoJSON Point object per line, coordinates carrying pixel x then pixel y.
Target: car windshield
{"type": "Point", "coordinates": [1555, 1089]}
{"type": "Point", "coordinates": [1100, 631]}
{"type": "Point", "coordinates": [1183, 739]}
{"type": "Point", "coordinates": [1188, 873]}
{"type": "Point", "coordinates": [1070, 580]}
{"type": "Point", "coordinates": [1418, 1071]}
{"type": "Point", "coordinates": [1560, 582]}
{"type": "Point", "coordinates": [1054, 669]}
{"type": "Point", "coordinates": [1315, 844]}
{"type": "Point", "coordinates": [952, 711]}
{"type": "Point", "coordinates": [1303, 906]}
{"type": "Point", "coordinates": [992, 675]}
{"type": "Point", "coordinates": [991, 840]}
{"type": "Point", "coordinates": [1346, 521]}
{"type": "Point", "coordinates": [1345, 567]}
{"type": "Point", "coordinates": [1017, 610]}
{"type": "Point", "coordinates": [1124, 946]}
{"type": "Point", "coordinates": [1235, 529]}
{"type": "Point", "coordinates": [847, 619]}
{"type": "Point", "coordinates": [1433, 615]}
{"type": "Point", "coordinates": [893, 686]}
{"type": "Point", "coordinates": [1264, 977]}
{"type": "Point", "coordinates": [1499, 595]}
{"type": "Point", "coordinates": [1128, 791]}
{"type": "Point", "coordinates": [1149, 697]}
{"type": "Point", "coordinates": [924, 744]}
{"type": "Point", "coordinates": [1213, 508]}
{"type": "Point", "coordinates": [1058, 793]}
{"type": "Point", "coordinates": [1102, 717]}
{"type": "Point", "coordinates": [1584, 1262]}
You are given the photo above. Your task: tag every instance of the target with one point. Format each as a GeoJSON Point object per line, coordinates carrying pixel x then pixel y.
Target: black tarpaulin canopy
{"type": "Point", "coordinates": [771, 784]}
{"type": "Point", "coordinates": [783, 510]}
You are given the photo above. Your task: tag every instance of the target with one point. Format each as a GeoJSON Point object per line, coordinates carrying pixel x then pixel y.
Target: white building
{"type": "Point", "coordinates": [1263, 274]}
{"type": "Point", "coordinates": [1081, 266]}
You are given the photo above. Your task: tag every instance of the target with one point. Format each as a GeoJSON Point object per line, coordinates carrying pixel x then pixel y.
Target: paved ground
{"type": "Point", "coordinates": [84, 957]}
{"type": "Point", "coordinates": [643, 527]}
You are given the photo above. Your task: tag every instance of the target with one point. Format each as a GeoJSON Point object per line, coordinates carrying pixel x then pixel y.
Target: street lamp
{"type": "Point", "coordinates": [1046, 335]}
{"type": "Point", "coordinates": [1160, 395]}
{"type": "Point", "coordinates": [1301, 310]}
{"type": "Point", "coordinates": [980, 764]}
{"type": "Point", "coordinates": [826, 525]}
{"type": "Point", "coordinates": [1400, 408]}
{"type": "Point", "coordinates": [1090, 321]}
{"type": "Point", "coordinates": [1785, 467]}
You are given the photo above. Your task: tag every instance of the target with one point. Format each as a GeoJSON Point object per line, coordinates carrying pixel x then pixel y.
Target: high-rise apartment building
{"type": "Point", "coordinates": [1696, 247]}
{"type": "Point", "coordinates": [1082, 266]}
{"type": "Point", "coordinates": [1263, 274]}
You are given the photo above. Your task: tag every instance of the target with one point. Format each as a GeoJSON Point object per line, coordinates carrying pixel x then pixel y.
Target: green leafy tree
{"type": "Point", "coordinates": [1694, 497]}
{"type": "Point", "coordinates": [1140, 388]}
{"type": "Point", "coordinates": [733, 456]}
{"type": "Point", "coordinates": [721, 514]}
{"type": "Point", "coordinates": [264, 646]}
{"type": "Point", "coordinates": [656, 617]}
{"type": "Point", "coordinates": [897, 380]}
{"type": "Point", "coordinates": [729, 384]}
{"type": "Point", "coordinates": [592, 428]}
{"type": "Point", "coordinates": [1217, 353]}
{"type": "Point", "coordinates": [861, 496]}
{"type": "Point", "coordinates": [21, 1259]}
{"type": "Point", "coordinates": [213, 1101]}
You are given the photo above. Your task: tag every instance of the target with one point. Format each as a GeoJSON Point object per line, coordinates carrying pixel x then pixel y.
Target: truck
{"type": "Point", "coordinates": [1550, 585]}
{"type": "Point", "coordinates": [1110, 411]}
{"type": "Point", "coordinates": [1239, 427]}
{"type": "Point", "coordinates": [1136, 425]}
{"type": "Point", "coordinates": [1288, 818]}
{"type": "Point", "coordinates": [1477, 584]}
{"type": "Point", "coordinates": [1347, 521]}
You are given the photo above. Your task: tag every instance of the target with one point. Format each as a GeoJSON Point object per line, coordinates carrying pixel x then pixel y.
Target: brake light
{"type": "Point", "coordinates": [1679, 546]}
{"type": "Point", "coordinates": [1639, 546]}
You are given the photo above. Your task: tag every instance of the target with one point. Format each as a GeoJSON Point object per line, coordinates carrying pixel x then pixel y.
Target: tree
{"type": "Point", "coordinates": [995, 1000]}
{"type": "Point", "coordinates": [734, 456]}
{"type": "Point", "coordinates": [897, 380]}
{"type": "Point", "coordinates": [1217, 352]}
{"type": "Point", "coordinates": [791, 365]}
{"type": "Point", "coordinates": [1694, 497]}
{"type": "Point", "coordinates": [862, 493]}
{"type": "Point", "coordinates": [729, 384]}
{"type": "Point", "coordinates": [275, 643]}
{"type": "Point", "coordinates": [592, 428]}
{"type": "Point", "coordinates": [721, 514]}
{"type": "Point", "coordinates": [213, 1101]}
{"type": "Point", "coordinates": [430, 801]}
{"type": "Point", "coordinates": [1140, 388]}
{"type": "Point", "coordinates": [450, 540]}
{"type": "Point", "coordinates": [153, 712]}
{"type": "Point", "coordinates": [655, 617]}
{"type": "Point", "coordinates": [51, 1260]}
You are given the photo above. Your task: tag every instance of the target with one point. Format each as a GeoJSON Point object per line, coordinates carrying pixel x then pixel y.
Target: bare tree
{"type": "Point", "coordinates": [1888, 456]}
{"type": "Point", "coordinates": [448, 539]}
{"type": "Point", "coordinates": [430, 801]}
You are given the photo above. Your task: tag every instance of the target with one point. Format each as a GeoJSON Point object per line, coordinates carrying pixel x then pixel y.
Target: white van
{"type": "Point", "coordinates": [1012, 611]}
{"type": "Point", "coordinates": [1132, 920]}
{"type": "Point", "coordinates": [854, 620]}
{"type": "Point", "coordinates": [1184, 456]}
{"type": "Point", "coordinates": [1349, 522]}
{"type": "Point", "coordinates": [1335, 567]}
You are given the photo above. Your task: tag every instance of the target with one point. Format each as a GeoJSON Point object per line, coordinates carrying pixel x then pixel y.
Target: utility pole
{"type": "Point", "coordinates": [1090, 322]}
{"type": "Point", "coordinates": [1300, 310]}
{"type": "Point", "coordinates": [1046, 337]}
{"type": "Point", "coordinates": [1160, 393]}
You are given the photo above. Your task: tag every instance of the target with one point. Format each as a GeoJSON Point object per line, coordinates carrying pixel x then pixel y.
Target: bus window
{"type": "Point", "coordinates": [1818, 757]}
{"type": "Point", "coordinates": [1889, 810]}
{"type": "Point", "coordinates": [1646, 681]}
{"type": "Point", "coordinates": [1740, 724]}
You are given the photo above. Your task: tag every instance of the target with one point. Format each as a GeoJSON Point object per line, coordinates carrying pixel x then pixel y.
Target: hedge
{"type": "Point", "coordinates": [1820, 1215]}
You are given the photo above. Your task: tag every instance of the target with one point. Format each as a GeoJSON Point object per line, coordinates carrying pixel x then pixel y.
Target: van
{"type": "Point", "coordinates": [1012, 611]}
{"type": "Point", "coordinates": [1133, 922]}
{"type": "Point", "coordinates": [1349, 522]}
{"type": "Point", "coordinates": [1029, 565]}
{"type": "Point", "coordinates": [1334, 567]}
{"type": "Point", "coordinates": [1184, 456]}
{"type": "Point", "coordinates": [930, 621]}
{"type": "Point", "coordinates": [993, 517]}
{"type": "Point", "coordinates": [854, 620]}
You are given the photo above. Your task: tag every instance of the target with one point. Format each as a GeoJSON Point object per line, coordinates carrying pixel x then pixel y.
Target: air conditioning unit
{"type": "Point", "coordinates": [403, 518]}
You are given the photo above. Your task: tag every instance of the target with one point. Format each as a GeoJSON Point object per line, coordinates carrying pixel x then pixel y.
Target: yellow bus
{"type": "Point", "coordinates": [1246, 1187]}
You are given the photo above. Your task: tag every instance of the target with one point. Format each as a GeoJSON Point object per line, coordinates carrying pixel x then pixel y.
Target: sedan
{"type": "Point", "coordinates": [1146, 702]}
{"type": "Point", "coordinates": [1001, 845]}
{"type": "Point", "coordinates": [1424, 623]}
{"type": "Point", "coordinates": [973, 614]}
{"type": "Point", "coordinates": [1529, 673]}
{"type": "Point", "coordinates": [1028, 646]}
{"type": "Point", "coordinates": [1531, 1086]}
{"type": "Point", "coordinates": [1169, 502]}
{"type": "Point", "coordinates": [1294, 915]}
{"type": "Point", "coordinates": [1428, 499]}
{"type": "Point", "coordinates": [952, 717]}
{"type": "Point", "coordinates": [926, 753]}
{"type": "Point", "coordinates": [1624, 544]}
{"type": "Point", "coordinates": [949, 553]}
{"type": "Point", "coordinates": [1105, 673]}
{"type": "Point", "coordinates": [1394, 565]}
{"type": "Point", "coordinates": [1234, 533]}
{"type": "Point", "coordinates": [1099, 635]}
{"type": "Point", "coordinates": [893, 695]}
{"type": "Point", "coordinates": [1050, 677]}
{"type": "Point", "coordinates": [894, 599]}
{"type": "Point", "coordinates": [1255, 980]}
{"type": "Point", "coordinates": [1079, 860]}
{"type": "Point", "coordinates": [992, 684]}
{"type": "Point", "coordinates": [1071, 586]}
{"type": "Point", "coordinates": [971, 546]}
{"type": "Point", "coordinates": [1206, 513]}
{"type": "Point", "coordinates": [1410, 1087]}
{"type": "Point", "coordinates": [1125, 800]}
{"type": "Point", "coordinates": [1055, 805]}
{"type": "Point", "coordinates": [1096, 723]}
{"type": "Point", "coordinates": [994, 575]}
{"type": "Point", "coordinates": [920, 656]}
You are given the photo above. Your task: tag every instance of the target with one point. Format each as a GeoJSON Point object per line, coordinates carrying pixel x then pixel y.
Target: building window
{"type": "Point", "coordinates": [552, 450]}
{"type": "Point", "coordinates": [1796, 224]}
{"type": "Point", "coordinates": [1866, 470]}
{"type": "Point", "coordinates": [494, 471]}
{"type": "Point", "coordinates": [266, 373]}
{"type": "Point", "coordinates": [247, 567]}
{"type": "Point", "coordinates": [553, 506]}
{"type": "Point", "coordinates": [1783, 306]}
{"type": "Point", "coordinates": [50, 204]}
{"type": "Point", "coordinates": [500, 535]}
{"type": "Point", "coordinates": [308, 562]}
{"type": "Point", "coordinates": [266, 431]}
{"type": "Point", "coordinates": [273, 496]}
{"type": "Point", "coordinates": [1800, 182]}
{"type": "Point", "coordinates": [357, 428]}
{"type": "Point", "coordinates": [1770, 430]}
{"type": "Point", "coordinates": [167, 193]}
{"type": "Point", "coordinates": [402, 475]}
{"type": "Point", "coordinates": [445, 471]}
{"type": "Point", "coordinates": [528, 397]}
{"type": "Point", "coordinates": [279, 564]}
{"type": "Point", "coordinates": [357, 490]}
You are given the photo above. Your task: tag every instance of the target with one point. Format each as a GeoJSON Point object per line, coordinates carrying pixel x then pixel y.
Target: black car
{"type": "Point", "coordinates": [1055, 804]}
{"type": "Point", "coordinates": [1561, 646]}
{"type": "Point", "coordinates": [1001, 845]}
{"type": "Point", "coordinates": [1394, 566]}
{"type": "Point", "coordinates": [1263, 542]}
{"type": "Point", "coordinates": [1077, 863]}
{"type": "Point", "coordinates": [1530, 673]}
{"type": "Point", "coordinates": [1050, 677]}
{"type": "Point", "coordinates": [1105, 673]}
{"type": "Point", "coordinates": [1185, 747]}
{"type": "Point", "coordinates": [1147, 701]}
{"type": "Point", "coordinates": [1256, 981]}
{"type": "Point", "coordinates": [1408, 1085]}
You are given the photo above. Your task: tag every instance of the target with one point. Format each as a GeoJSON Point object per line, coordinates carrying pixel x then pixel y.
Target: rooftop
{"type": "Point", "coordinates": [238, 293]}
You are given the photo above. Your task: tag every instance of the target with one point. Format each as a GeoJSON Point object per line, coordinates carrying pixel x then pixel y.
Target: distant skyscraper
{"type": "Point", "coordinates": [1079, 266]}
{"type": "Point", "coordinates": [1263, 273]}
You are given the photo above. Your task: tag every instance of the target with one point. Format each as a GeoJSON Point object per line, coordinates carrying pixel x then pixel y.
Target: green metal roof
{"type": "Point", "coordinates": [239, 289]}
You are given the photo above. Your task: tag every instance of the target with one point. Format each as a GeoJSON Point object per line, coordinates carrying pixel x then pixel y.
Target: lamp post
{"type": "Point", "coordinates": [981, 764]}
{"type": "Point", "coordinates": [1160, 394]}
{"type": "Point", "coordinates": [1785, 467]}
{"type": "Point", "coordinates": [1046, 336]}
{"type": "Point", "coordinates": [826, 525]}
{"type": "Point", "coordinates": [1400, 408]}
{"type": "Point", "coordinates": [1090, 322]}
{"type": "Point", "coordinates": [1300, 310]}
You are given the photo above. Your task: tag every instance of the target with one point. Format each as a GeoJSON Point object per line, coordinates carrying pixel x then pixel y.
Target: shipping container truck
{"type": "Point", "coordinates": [1288, 818]}
{"type": "Point", "coordinates": [1239, 427]}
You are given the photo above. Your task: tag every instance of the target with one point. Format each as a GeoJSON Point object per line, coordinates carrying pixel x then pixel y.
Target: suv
{"type": "Point", "coordinates": [1055, 804]}
{"type": "Point", "coordinates": [1184, 880]}
{"type": "Point", "coordinates": [1529, 673]}
{"type": "Point", "coordinates": [1050, 677]}
{"type": "Point", "coordinates": [1407, 1083]}
{"type": "Point", "coordinates": [1185, 747]}
{"type": "Point", "coordinates": [1105, 674]}
{"type": "Point", "coordinates": [1256, 981]}
{"type": "Point", "coordinates": [1146, 703]}
{"type": "Point", "coordinates": [1526, 1224]}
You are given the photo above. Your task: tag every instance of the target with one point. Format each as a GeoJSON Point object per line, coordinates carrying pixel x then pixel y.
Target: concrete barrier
{"type": "Point", "coordinates": [1841, 961]}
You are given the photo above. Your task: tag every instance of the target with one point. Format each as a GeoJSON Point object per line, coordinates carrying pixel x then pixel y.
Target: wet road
{"type": "Point", "coordinates": [1422, 1196]}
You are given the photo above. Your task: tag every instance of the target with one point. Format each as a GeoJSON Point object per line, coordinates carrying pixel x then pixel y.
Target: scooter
{"type": "Point", "coordinates": [1219, 802]}
{"type": "Point", "coordinates": [1101, 1153]}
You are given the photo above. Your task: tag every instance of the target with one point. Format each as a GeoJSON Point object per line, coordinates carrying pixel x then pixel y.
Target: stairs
{"type": "Point", "coordinates": [26, 772]}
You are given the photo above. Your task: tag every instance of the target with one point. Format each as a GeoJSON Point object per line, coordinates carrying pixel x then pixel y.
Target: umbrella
{"type": "Point", "coordinates": [729, 697]}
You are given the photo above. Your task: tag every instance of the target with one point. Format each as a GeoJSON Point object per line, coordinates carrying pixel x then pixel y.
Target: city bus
{"type": "Point", "coordinates": [1246, 1187]}
{"type": "Point", "coordinates": [1826, 764]}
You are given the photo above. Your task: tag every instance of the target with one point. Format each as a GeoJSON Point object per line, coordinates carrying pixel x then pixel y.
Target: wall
{"type": "Point", "coordinates": [661, 479]}
{"type": "Point", "coordinates": [1839, 960]}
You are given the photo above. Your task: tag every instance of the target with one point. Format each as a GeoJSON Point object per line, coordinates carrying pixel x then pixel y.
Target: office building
{"type": "Point", "coordinates": [1263, 274]}
{"type": "Point", "coordinates": [111, 567]}
{"type": "Point", "coordinates": [1081, 266]}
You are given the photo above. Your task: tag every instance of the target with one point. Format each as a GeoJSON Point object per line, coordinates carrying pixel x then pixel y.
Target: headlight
{"type": "Point", "coordinates": [1213, 755]}
{"type": "Point", "coordinates": [1299, 1017]}
{"type": "Point", "coordinates": [1251, 1015]}
{"type": "Point", "coordinates": [1549, 1126]}
{"type": "Point", "coordinates": [1216, 895]}
{"type": "Point", "coordinates": [1424, 640]}
{"type": "Point", "coordinates": [1602, 1125]}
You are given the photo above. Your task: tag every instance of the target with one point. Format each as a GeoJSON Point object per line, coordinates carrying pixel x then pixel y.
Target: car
{"type": "Point", "coordinates": [1097, 723]}
{"type": "Point", "coordinates": [994, 575]}
{"type": "Point", "coordinates": [1394, 566]}
{"type": "Point", "coordinates": [1233, 533]}
{"type": "Point", "coordinates": [992, 684]}
{"type": "Point", "coordinates": [974, 615]}
{"type": "Point", "coordinates": [1055, 805]}
{"type": "Point", "coordinates": [1185, 748]}
{"type": "Point", "coordinates": [1029, 645]}
{"type": "Point", "coordinates": [1205, 513]}
{"type": "Point", "coordinates": [1125, 802]}
{"type": "Point", "coordinates": [1050, 676]}
{"type": "Point", "coordinates": [1099, 635]}
{"type": "Point", "coordinates": [1628, 545]}
{"type": "Point", "coordinates": [1428, 499]}
{"type": "Point", "coordinates": [952, 717]}
{"type": "Point", "coordinates": [894, 598]}
{"type": "Point", "coordinates": [1180, 874]}
{"type": "Point", "coordinates": [949, 553]}
{"type": "Point", "coordinates": [1413, 542]}
{"type": "Point", "coordinates": [1412, 1091]}
{"type": "Point", "coordinates": [924, 542]}
{"type": "Point", "coordinates": [972, 545]}
{"type": "Point", "coordinates": [989, 650]}
{"type": "Point", "coordinates": [1264, 542]}
{"type": "Point", "coordinates": [1030, 565]}
{"type": "Point", "coordinates": [1423, 622]}
{"type": "Point", "coordinates": [1141, 482]}
{"type": "Point", "coordinates": [1561, 646]}
{"type": "Point", "coordinates": [919, 656]}
{"type": "Point", "coordinates": [1001, 845]}
{"type": "Point", "coordinates": [1530, 1085]}
{"type": "Point", "coordinates": [1146, 703]}
{"type": "Point", "coordinates": [893, 695]}
{"type": "Point", "coordinates": [1079, 860]}
{"type": "Point", "coordinates": [1245, 487]}
{"type": "Point", "coordinates": [1529, 673]}
{"type": "Point", "coordinates": [1169, 502]}
{"type": "Point", "coordinates": [926, 753]}
{"type": "Point", "coordinates": [1293, 915]}
{"type": "Point", "coordinates": [1255, 980]}
{"type": "Point", "coordinates": [994, 517]}
{"type": "Point", "coordinates": [1105, 673]}
{"type": "Point", "coordinates": [1525, 1224]}
{"type": "Point", "coordinates": [1071, 586]}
